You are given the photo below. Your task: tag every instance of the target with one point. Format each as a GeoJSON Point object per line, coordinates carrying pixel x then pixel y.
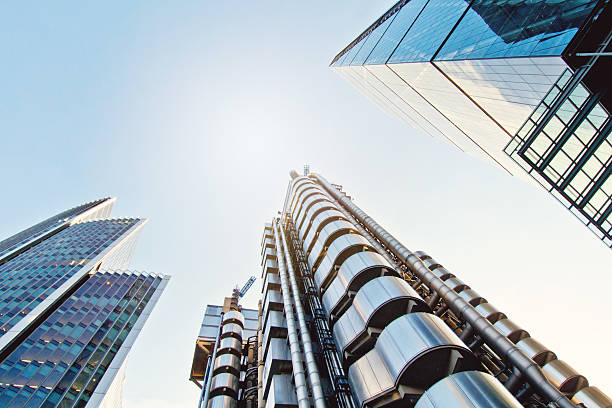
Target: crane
{"type": "Point", "coordinates": [246, 287]}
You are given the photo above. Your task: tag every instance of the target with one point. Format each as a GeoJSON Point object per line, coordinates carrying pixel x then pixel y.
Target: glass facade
{"type": "Point", "coordinates": [64, 316]}
{"type": "Point", "coordinates": [38, 230]}
{"type": "Point", "coordinates": [62, 361]}
{"type": "Point", "coordinates": [569, 150]}
{"type": "Point", "coordinates": [473, 72]}
{"type": "Point", "coordinates": [427, 30]}
{"type": "Point", "coordinates": [31, 277]}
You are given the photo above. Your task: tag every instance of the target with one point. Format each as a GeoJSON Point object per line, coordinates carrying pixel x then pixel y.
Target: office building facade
{"type": "Point", "coordinates": [70, 309]}
{"type": "Point", "coordinates": [349, 317]}
{"type": "Point", "coordinates": [521, 85]}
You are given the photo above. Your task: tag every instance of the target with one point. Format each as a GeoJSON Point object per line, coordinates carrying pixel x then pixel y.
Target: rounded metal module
{"type": "Point", "coordinates": [592, 397]}
{"type": "Point", "coordinates": [564, 377]}
{"type": "Point", "coordinates": [378, 302]}
{"type": "Point", "coordinates": [230, 345]}
{"type": "Point", "coordinates": [222, 401]}
{"type": "Point", "coordinates": [224, 384]}
{"type": "Point", "coordinates": [468, 389]}
{"type": "Point", "coordinates": [234, 316]}
{"type": "Point", "coordinates": [356, 271]}
{"type": "Point", "coordinates": [231, 329]}
{"type": "Point", "coordinates": [227, 363]}
{"type": "Point", "coordinates": [536, 351]}
{"type": "Point", "coordinates": [411, 354]}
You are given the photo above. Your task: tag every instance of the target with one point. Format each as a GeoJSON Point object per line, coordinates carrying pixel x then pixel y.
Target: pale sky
{"type": "Point", "coordinates": [192, 113]}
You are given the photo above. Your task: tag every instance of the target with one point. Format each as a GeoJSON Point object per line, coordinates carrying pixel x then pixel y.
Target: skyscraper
{"type": "Point", "coordinates": [520, 84]}
{"type": "Point", "coordinates": [349, 317]}
{"type": "Point", "coordinates": [70, 310]}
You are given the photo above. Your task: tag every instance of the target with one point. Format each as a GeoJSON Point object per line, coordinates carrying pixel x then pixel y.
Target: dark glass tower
{"type": "Point", "coordinates": [69, 309]}
{"type": "Point", "coordinates": [522, 85]}
{"type": "Point", "coordinates": [349, 317]}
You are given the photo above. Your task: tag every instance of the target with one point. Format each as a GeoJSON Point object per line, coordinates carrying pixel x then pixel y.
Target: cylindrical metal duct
{"type": "Point", "coordinates": [260, 362]}
{"type": "Point", "coordinates": [498, 342]}
{"type": "Point", "coordinates": [209, 369]}
{"type": "Point", "coordinates": [311, 365]}
{"type": "Point", "coordinates": [294, 347]}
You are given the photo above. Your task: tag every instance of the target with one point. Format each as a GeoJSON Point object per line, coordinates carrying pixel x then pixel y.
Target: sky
{"type": "Point", "coordinates": [192, 113]}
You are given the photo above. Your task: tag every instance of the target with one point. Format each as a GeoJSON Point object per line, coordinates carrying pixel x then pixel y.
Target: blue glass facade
{"type": "Point", "coordinates": [62, 361]}
{"type": "Point", "coordinates": [460, 30]}
{"type": "Point", "coordinates": [45, 226]}
{"type": "Point", "coordinates": [29, 278]}
{"type": "Point", "coordinates": [63, 316]}
{"type": "Point", "coordinates": [472, 72]}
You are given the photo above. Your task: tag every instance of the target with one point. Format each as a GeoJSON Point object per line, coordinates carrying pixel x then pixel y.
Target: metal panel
{"type": "Point", "coordinates": [297, 187]}
{"type": "Point", "coordinates": [536, 351]}
{"type": "Point", "coordinates": [230, 345]}
{"type": "Point", "coordinates": [224, 384]}
{"type": "Point", "coordinates": [272, 301]}
{"type": "Point", "coordinates": [370, 379]}
{"type": "Point", "coordinates": [234, 316]}
{"type": "Point", "coordinates": [564, 377]}
{"type": "Point", "coordinates": [231, 329]}
{"type": "Point", "coordinates": [489, 312]}
{"type": "Point", "coordinates": [269, 266]}
{"type": "Point", "coordinates": [415, 351]}
{"type": "Point", "coordinates": [222, 401]}
{"type": "Point", "coordinates": [271, 282]}
{"type": "Point", "coordinates": [357, 270]}
{"type": "Point", "coordinates": [456, 284]}
{"type": "Point", "coordinates": [592, 397]}
{"type": "Point", "coordinates": [305, 201]}
{"type": "Point", "coordinates": [300, 196]}
{"type": "Point", "coordinates": [420, 349]}
{"type": "Point", "coordinates": [276, 327]}
{"type": "Point", "coordinates": [338, 250]}
{"type": "Point", "coordinates": [511, 330]}
{"type": "Point", "coordinates": [310, 198]}
{"type": "Point", "coordinates": [472, 297]}
{"type": "Point", "coordinates": [327, 234]}
{"type": "Point", "coordinates": [442, 273]}
{"type": "Point", "coordinates": [324, 215]}
{"type": "Point", "coordinates": [278, 361]}
{"type": "Point", "coordinates": [377, 303]}
{"type": "Point", "coordinates": [282, 392]}
{"type": "Point", "coordinates": [468, 389]}
{"type": "Point", "coordinates": [268, 254]}
{"type": "Point", "coordinates": [227, 363]}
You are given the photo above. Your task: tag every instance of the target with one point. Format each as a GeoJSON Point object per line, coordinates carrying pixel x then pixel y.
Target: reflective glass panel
{"type": "Point", "coordinates": [429, 31]}
{"type": "Point", "coordinates": [371, 42]}
{"type": "Point", "coordinates": [396, 30]}
{"type": "Point", "coordinates": [495, 29]}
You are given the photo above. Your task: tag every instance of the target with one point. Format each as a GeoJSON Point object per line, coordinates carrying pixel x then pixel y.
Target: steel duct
{"type": "Point", "coordinates": [311, 365]}
{"type": "Point", "coordinates": [497, 341]}
{"type": "Point", "coordinates": [294, 346]}
{"type": "Point", "coordinates": [260, 362]}
{"type": "Point", "coordinates": [209, 369]}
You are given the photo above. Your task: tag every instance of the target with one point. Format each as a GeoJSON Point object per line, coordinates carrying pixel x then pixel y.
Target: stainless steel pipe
{"type": "Point", "coordinates": [260, 362]}
{"type": "Point", "coordinates": [311, 366]}
{"type": "Point", "coordinates": [209, 369]}
{"type": "Point", "coordinates": [497, 341]}
{"type": "Point", "coordinates": [294, 346]}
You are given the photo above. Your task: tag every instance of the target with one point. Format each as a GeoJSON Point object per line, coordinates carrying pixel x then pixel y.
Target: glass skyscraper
{"type": "Point", "coordinates": [520, 84]}
{"type": "Point", "coordinates": [350, 318]}
{"type": "Point", "coordinates": [69, 308]}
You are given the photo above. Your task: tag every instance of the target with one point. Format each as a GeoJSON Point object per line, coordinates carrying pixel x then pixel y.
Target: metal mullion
{"type": "Point", "coordinates": [93, 290]}
{"type": "Point", "coordinates": [150, 289]}
{"type": "Point", "coordinates": [605, 131]}
{"type": "Point", "coordinates": [579, 117]}
{"type": "Point", "coordinates": [62, 396]}
{"type": "Point", "coordinates": [602, 179]}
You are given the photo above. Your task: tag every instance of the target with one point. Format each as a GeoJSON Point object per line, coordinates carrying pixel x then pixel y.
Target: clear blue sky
{"type": "Point", "coordinates": [192, 114]}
